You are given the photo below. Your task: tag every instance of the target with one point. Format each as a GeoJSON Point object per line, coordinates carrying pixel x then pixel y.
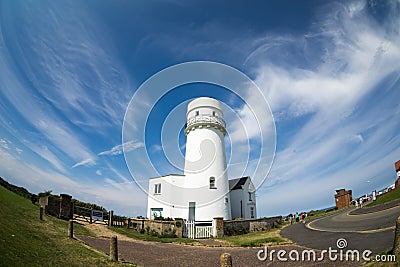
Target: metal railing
{"type": "Point", "coordinates": [200, 119]}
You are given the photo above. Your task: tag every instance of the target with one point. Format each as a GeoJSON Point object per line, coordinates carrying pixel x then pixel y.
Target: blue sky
{"type": "Point", "coordinates": [330, 72]}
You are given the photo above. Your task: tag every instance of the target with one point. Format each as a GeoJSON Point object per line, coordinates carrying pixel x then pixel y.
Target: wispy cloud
{"type": "Point", "coordinates": [91, 92]}
{"type": "Point", "coordinates": [85, 162]}
{"type": "Point", "coordinates": [119, 149]}
{"type": "Point", "coordinates": [4, 143]}
{"type": "Point", "coordinates": [110, 194]}
{"type": "Point", "coordinates": [336, 100]}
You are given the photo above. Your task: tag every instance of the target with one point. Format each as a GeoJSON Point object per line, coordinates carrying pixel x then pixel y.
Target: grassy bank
{"type": "Point", "coordinates": [257, 239]}
{"type": "Point", "coordinates": [392, 195]}
{"type": "Point", "coordinates": [27, 241]}
{"type": "Point", "coordinates": [270, 237]}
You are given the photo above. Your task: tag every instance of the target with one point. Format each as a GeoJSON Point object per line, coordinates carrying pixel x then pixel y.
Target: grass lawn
{"type": "Point", "coordinates": [248, 240]}
{"type": "Point", "coordinates": [27, 241]}
{"type": "Point", "coordinates": [257, 239]}
{"type": "Point", "coordinates": [392, 195]}
{"type": "Point", "coordinates": [134, 234]}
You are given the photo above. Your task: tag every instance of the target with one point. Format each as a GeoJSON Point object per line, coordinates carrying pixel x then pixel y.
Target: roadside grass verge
{"type": "Point", "coordinates": [27, 241]}
{"type": "Point", "coordinates": [392, 195]}
{"type": "Point", "coordinates": [257, 239]}
{"type": "Point", "coordinates": [148, 237]}
{"type": "Point", "coordinates": [321, 214]}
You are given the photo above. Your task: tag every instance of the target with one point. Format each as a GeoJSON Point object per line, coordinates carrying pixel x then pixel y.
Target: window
{"type": "Point", "coordinates": [156, 213]}
{"type": "Point", "coordinates": [213, 113]}
{"type": "Point", "coordinates": [252, 212]}
{"type": "Point", "coordinates": [250, 199]}
{"type": "Point", "coordinates": [197, 113]}
{"type": "Point", "coordinates": [226, 200]}
{"type": "Point", "coordinates": [157, 189]}
{"type": "Point", "coordinates": [212, 183]}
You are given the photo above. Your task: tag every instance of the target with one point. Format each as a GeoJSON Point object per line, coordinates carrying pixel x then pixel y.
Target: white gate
{"type": "Point", "coordinates": [194, 229]}
{"type": "Point", "coordinates": [189, 229]}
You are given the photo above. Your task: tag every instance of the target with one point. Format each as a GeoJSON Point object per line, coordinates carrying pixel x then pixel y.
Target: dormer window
{"type": "Point", "coordinates": [212, 183]}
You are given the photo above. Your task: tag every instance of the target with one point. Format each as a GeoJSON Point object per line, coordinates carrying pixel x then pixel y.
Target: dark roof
{"type": "Point", "coordinates": [237, 183]}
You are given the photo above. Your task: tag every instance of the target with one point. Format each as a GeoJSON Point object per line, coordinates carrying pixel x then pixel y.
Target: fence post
{"type": "Point", "coordinates": [110, 218]}
{"type": "Point", "coordinates": [396, 244]}
{"type": "Point", "coordinates": [71, 228]}
{"type": "Point", "coordinates": [114, 248]}
{"type": "Point", "coordinates": [41, 214]}
{"type": "Point", "coordinates": [91, 216]}
{"type": "Point", "coordinates": [72, 210]}
{"type": "Point", "coordinates": [226, 260]}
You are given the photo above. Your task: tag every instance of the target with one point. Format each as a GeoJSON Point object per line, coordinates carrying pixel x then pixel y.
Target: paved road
{"type": "Point", "coordinates": [360, 231]}
{"type": "Point", "coordinates": [160, 254]}
{"type": "Point", "coordinates": [346, 221]}
{"type": "Point", "coordinates": [373, 231]}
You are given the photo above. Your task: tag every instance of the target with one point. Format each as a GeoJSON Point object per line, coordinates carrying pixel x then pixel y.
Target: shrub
{"type": "Point", "coordinates": [277, 224]}
{"type": "Point", "coordinates": [172, 234]}
{"type": "Point", "coordinates": [45, 193]}
{"type": "Point", "coordinates": [236, 230]}
{"type": "Point", "coordinates": [154, 233]}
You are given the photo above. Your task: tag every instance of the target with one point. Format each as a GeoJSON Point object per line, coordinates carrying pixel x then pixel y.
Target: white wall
{"type": "Point", "coordinates": [242, 195]}
{"type": "Point", "coordinates": [236, 197]}
{"type": "Point", "coordinates": [169, 198]}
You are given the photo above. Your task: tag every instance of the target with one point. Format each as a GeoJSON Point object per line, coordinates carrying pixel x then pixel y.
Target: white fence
{"type": "Point", "coordinates": [194, 229]}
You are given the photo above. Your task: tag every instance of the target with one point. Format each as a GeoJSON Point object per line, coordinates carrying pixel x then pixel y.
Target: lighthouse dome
{"type": "Point", "coordinates": [205, 104]}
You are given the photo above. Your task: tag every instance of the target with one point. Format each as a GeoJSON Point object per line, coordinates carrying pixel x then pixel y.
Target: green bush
{"type": "Point", "coordinates": [172, 234]}
{"type": "Point", "coordinates": [154, 233]}
{"type": "Point", "coordinates": [236, 230]}
{"type": "Point", "coordinates": [277, 224]}
{"type": "Point", "coordinates": [45, 193]}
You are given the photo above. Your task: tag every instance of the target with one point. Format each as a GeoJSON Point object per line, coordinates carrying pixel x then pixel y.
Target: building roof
{"type": "Point", "coordinates": [397, 165]}
{"type": "Point", "coordinates": [172, 174]}
{"type": "Point", "coordinates": [237, 183]}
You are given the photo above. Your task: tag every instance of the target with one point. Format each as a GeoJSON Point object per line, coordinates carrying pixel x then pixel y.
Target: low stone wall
{"type": "Point", "coordinates": [238, 227]}
{"type": "Point", "coordinates": [155, 226]}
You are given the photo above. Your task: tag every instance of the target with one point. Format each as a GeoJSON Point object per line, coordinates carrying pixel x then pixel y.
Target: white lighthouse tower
{"type": "Point", "coordinates": [206, 182]}
{"type": "Point", "coordinates": [203, 192]}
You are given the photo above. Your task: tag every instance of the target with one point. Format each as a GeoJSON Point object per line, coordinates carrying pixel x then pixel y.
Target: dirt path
{"type": "Point", "coordinates": [101, 230]}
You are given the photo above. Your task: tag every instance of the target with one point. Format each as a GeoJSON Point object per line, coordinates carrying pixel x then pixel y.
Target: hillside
{"type": "Point", "coordinates": [27, 241]}
{"type": "Point", "coordinates": [16, 189]}
{"type": "Point", "coordinates": [388, 197]}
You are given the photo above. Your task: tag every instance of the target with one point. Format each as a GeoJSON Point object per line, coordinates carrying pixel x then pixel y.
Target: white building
{"type": "Point", "coordinates": [203, 191]}
{"type": "Point", "coordinates": [243, 199]}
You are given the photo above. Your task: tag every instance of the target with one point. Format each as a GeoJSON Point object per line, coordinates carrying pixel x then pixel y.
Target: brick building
{"type": "Point", "coordinates": [397, 167]}
{"type": "Point", "coordinates": [343, 198]}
